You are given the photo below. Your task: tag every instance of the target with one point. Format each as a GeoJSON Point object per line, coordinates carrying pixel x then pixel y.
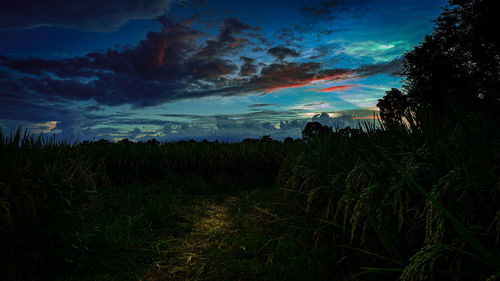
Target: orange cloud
{"type": "Point", "coordinates": [272, 89]}
{"type": "Point", "coordinates": [278, 76]}
{"type": "Point", "coordinates": [237, 42]}
{"type": "Point", "coordinates": [338, 88]}
{"type": "Point", "coordinates": [49, 125]}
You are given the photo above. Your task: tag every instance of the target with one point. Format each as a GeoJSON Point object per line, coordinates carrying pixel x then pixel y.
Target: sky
{"type": "Point", "coordinates": [201, 69]}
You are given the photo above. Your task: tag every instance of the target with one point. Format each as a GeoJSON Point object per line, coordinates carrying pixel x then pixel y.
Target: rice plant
{"type": "Point", "coordinates": [413, 203]}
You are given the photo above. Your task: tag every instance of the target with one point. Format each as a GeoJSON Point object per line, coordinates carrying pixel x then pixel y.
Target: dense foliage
{"type": "Point", "coordinates": [457, 66]}
{"type": "Point", "coordinates": [412, 202]}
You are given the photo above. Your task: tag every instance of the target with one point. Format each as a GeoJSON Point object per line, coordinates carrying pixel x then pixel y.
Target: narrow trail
{"type": "Point", "coordinates": [190, 255]}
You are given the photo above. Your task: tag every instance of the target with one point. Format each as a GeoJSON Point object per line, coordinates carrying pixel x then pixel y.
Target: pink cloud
{"type": "Point", "coordinates": [338, 88]}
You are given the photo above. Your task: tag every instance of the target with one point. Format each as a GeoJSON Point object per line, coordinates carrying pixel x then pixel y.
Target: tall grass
{"type": "Point", "coordinates": [49, 189]}
{"type": "Point", "coordinates": [415, 202]}
{"type": "Point", "coordinates": [239, 163]}
{"type": "Point", "coordinates": [45, 189]}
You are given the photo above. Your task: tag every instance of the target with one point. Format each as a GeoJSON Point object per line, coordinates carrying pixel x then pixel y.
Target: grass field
{"type": "Point", "coordinates": [416, 202]}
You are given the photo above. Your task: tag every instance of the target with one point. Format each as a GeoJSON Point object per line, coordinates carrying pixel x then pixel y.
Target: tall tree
{"type": "Point", "coordinates": [393, 107]}
{"type": "Point", "coordinates": [315, 129]}
{"type": "Point", "coordinates": [460, 60]}
{"type": "Point", "coordinates": [457, 65]}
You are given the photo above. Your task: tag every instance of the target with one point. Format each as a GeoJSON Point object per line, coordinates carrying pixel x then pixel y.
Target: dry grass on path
{"type": "Point", "coordinates": [200, 254]}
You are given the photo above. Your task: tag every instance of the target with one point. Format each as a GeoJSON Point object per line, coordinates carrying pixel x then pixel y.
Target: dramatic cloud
{"type": "Point", "coordinates": [337, 88]}
{"type": "Point", "coordinates": [88, 15]}
{"type": "Point", "coordinates": [230, 37]}
{"type": "Point", "coordinates": [289, 35]}
{"type": "Point", "coordinates": [284, 75]}
{"type": "Point", "coordinates": [79, 97]}
{"type": "Point", "coordinates": [248, 67]}
{"type": "Point", "coordinates": [160, 69]}
{"type": "Point", "coordinates": [211, 69]}
{"type": "Point", "coordinates": [321, 52]}
{"type": "Point", "coordinates": [281, 52]}
{"type": "Point", "coordinates": [168, 65]}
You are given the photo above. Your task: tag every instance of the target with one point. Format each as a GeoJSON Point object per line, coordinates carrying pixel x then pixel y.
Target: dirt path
{"type": "Point", "coordinates": [192, 256]}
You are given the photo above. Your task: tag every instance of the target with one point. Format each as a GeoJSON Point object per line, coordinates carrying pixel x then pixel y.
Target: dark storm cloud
{"type": "Point", "coordinates": [158, 56]}
{"type": "Point", "coordinates": [289, 36]}
{"type": "Point", "coordinates": [157, 70]}
{"type": "Point", "coordinates": [230, 37]}
{"type": "Point", "coordinates": [248, 67]}
{"type": "Point", "coordinates": [324, 9]}
{"type": "Point", "coordinates": [332, 9]}
{"type": "Point", "coordinates": [281, 52]}
{"type": "Point", "coordinates": [321, 52]}
{"type": "Point", "coordinates": [168, 65]}
{"type": "Point", "coordinates": [277, 76]}
{"type": "Point", "coordinates": [109, 89]}
{"type": "Point", "coordinates": [88, 15]}
{"type": "Point", "coordinates": [61, 68]}
{"type": "Point", "coordinates": [213, 68]}
{"type": "Point", "coordinates": [231, 27]}
{"type": "Point", "coordinates": [285, 74]}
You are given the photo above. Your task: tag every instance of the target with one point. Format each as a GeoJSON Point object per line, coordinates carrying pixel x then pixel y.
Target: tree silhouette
{"type": "Point", "coordinates": [315, 129]}
{"type": "Point", "coordinates": [460, 61]}
{"type": "Point", "coordinates": [250, 140]}
{"type": "Point", "coordinates": [458, 65]}
{"type": "Point", "coordinates": [348, 132]}
{"type": "Point", "coordinates": [393, 106]}
{"type": "Point", "coordinates": [125, 141]}
{"type": "Point", "coordinates": [265, 138]}
{"type": "Point", "coordinates": [152, 141]}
